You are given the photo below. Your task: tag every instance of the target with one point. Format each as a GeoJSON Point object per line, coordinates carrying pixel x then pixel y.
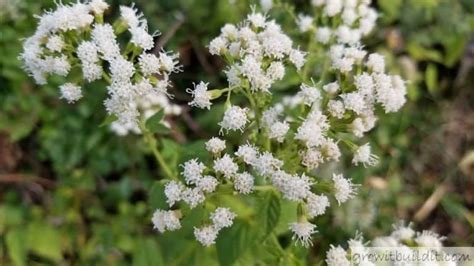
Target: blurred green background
{"type": "Point", "coordinates": [73, 193]}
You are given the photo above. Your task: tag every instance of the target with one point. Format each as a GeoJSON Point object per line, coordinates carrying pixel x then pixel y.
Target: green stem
{"type": "Point", "coordinates": [151, 141]}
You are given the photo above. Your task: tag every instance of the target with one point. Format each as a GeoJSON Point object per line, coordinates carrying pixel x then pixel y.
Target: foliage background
{"type": "Point", "coordinates": [73, 193]}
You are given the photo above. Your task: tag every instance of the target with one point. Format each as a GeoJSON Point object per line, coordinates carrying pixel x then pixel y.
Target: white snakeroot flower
{"type": "Point", "coordinates": [296, 188]}
{"type": "Point", "coordinates": [336, 108]}
{"type": "Point", "coordinates": [58, 65]}
{"type": "Point", "coordinates": [429, 239]}
{"type": "Point", "coordinates": [207, 184]}
{"type": "Point", "coordinates": [337, 256]}
{"type": "Point", "coordinates": [364, 84]}
{"type": "Point", "coordinates": [385, 241]}
{"type": "Point", "coordinates": [165, 221]}
{"type": "Point", "coordinates": [121, 70]}
{"type": "Point", "coordinates": [357, 127]}
{"type": "Point", "coordinates": [323, 35]}
{"type": "Point", "coordinates": [226, 166]}
{"type": "Point", "coordinates": [91, 71]}
{"type": "Point", "coordinates": [316, 205]}
{"type": "Point", "coordinates": [313, 129]}
{"type": "Point", "coordinates": [87, 52]}
{"type": "Point", "coordinates": [349, 16]}
{"type": "Point", "coordinates": [330, 150]}
{"type": "Point", "coordinates": [98, 6]}
{"type": "Point", "coordinates": [331, 88]}
{"type": "Point", "coordinates": [258, 20]}
{"type": "Point", "coordinates": [206, 235]}
{"type": "Point", "coordinates": [304, 22]}
{"type": "Point", "coordinates": [309, 94]}
{"type": "Point", "coordinates": [173, 190]}
{"type": "Point", "coordinates": [218, 46]}
{"type": "Point", "coordinates": [266, 164]}
{"type": "Point", "coordinates": [244, 183]}
{"type": "Point", "coordinates": [141, 38]}
{"type": "Point", "coordinates": [344, 188]}
{"type": "Point", "coordinates": [130, 16]}
{"type": "Point", "coordinates": [55, 43]}
{"type": "Point", "coordinates": [215, 145]}
{"type": "Point", "coordinates": [169, 62]}
{"type": "Point", "coordinates": [222, 218]}
{"type": "Point", "coordinates": [333, 7]}
{"type": "Point", "coordinates": [302, 232]}
{"type": "Point", "coordinates": [297, 57]}
{"type": "Point", "coordinates": [276, 70]}
{"type": "Point", "coordinates": [149, 64]}
{"type": "Point", "coordinates": [270, 116]}
{"type": "Point", "coordinates": [248, 153]}
{"type": "Point", "coordinates": [192, 171]}
{"type": "Point", "coordinates": [234, 118]}
{"type": "Point", "coordinates": [278, 131]}
{"type": "Point", "coordinates": [312, 158]}
{"type": "Point", "coordinates": [343, 64]}
{"type": "Point", "coordinates": [364, 155]}
{"type": "Point", "coordinates": [229, 31]}
{"type": "Point", "coordinates": [376, 62]}
{"type": "Point", "coordinates": [347, 35]}
{"type": "Point", "coordinates": [193, 197]}
{"type": "Point", "coordinates": [402, 232]}
{"type": "Point", "coordinates": [390, 92]}
{"type": "Point", "coordinates": [70, 92]}
{"type": "Point", "coordinates": [104, 38]}
{"type": "Point", "coordinates": [266, 5]}
{"type": "Point", "coordinates": [354, 101]}
{"type": "Point", "coordinates": [201, 96]}
{"type": "Point", "coordinates": [233, 76]}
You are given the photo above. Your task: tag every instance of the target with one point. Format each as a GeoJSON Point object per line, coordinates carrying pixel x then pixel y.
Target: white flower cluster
{"type": "Point", "coordinates": [75, 33]}
{"type": "Point", "coordinates": [148, 104]}
{"type": "Point", "coordinates": [258, 51]}
{"type": "Point", "coordinates": [221, 218]}
{"type": "Point", "coordinates": [354, 19]}
{"type": "Point", "coordinates": [200, 180]}
{"type": "Point", "coordinates": [402, 237]}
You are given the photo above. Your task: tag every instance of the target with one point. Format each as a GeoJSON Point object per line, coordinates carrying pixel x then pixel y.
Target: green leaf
{"type": "Point", "coordinates": [270, 209]}
{"type": "Point", "coordinates": [233, 242]}
{"type": "Point", "coordinates": [154, 123]}
{"type": "Point", "coordinates": [147, 253]}
{"type": "Point", "coordinates": [108, 120]}
{"type": "Point", "coordinates": [157, 198]}
{"type": "Point", "coordinates": [16, 244]}
{"type": "Point", "coordinates": [45, 241]}
{"type": "Point", "coordinates": [390, 9]}
{"type": "Point", "coordinates": [431, 77]}
{"type": "Point", "coordinates": [421, 53]}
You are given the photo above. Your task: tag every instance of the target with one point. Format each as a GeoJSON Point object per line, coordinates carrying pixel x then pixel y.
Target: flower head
{"type": "Point", "coordinates": [302, 232]}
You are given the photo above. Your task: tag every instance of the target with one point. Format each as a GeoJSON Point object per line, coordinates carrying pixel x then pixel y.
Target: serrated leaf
{"type": "Point", "coordinates": [16, 245]}
{"type": "Point", "coordinates": [233, 242]}
{"type": "Point", "coordinates": [108, 120]}
{"type": "Point", "coordinates": [271, 209]}
{"type": "Point", "coordinates": [157, 198]}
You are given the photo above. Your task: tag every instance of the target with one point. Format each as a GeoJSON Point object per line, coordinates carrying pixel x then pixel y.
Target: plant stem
{"type": "Point", "coordinates": [151, 141]}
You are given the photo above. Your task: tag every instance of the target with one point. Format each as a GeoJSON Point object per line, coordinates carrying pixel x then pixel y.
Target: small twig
{"type": "Point", "coordinates": [431, 203]}
{"type": "Point", "coordinates": [169, 34]}
{"type": "Point", "coordinates": [192, 124]}
{"type": "Point", "coordinates": [200, 55]}
{"type": "Point", "coordinates": [21, 178]}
